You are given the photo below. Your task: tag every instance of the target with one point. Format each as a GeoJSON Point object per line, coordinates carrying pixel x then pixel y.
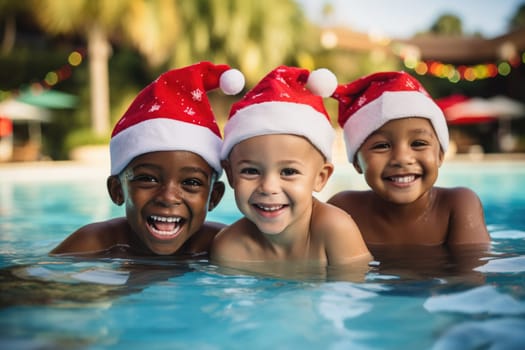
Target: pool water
{"type": "Point", "coordinates": [439, 300]}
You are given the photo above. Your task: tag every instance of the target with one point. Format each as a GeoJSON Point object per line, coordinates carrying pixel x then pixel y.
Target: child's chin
{"type": "Point", "coordinates": [265, 229]}
{"type": "Point", "coordinates": [166, 247]}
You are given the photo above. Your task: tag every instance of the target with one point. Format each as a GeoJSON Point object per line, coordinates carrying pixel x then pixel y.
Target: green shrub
{"type": "Point", "coordinates": [83, 137]}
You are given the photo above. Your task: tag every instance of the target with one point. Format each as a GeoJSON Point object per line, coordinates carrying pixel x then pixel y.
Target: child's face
{"type": "Point", "coordinates": [273, 177]}
{"type": "Point", "coordinates": [166, 196]}
{"type": "Point", "coordinates": [400, 161]}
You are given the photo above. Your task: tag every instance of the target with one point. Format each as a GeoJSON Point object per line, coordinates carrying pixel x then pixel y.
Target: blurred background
{"type": "Point", "coordinates": [70, 68]}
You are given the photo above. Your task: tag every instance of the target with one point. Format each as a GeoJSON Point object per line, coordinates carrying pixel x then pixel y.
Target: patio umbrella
{"type": "Point", "coordinates": [460, 109]}
{"type": "Point", "coordinates": [52, 99]}
{"type": "Point", "coordinates": [16, 110]}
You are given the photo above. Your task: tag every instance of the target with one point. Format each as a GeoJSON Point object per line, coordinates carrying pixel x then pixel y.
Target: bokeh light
{"type": "Point", "coordinates": [75, 58]}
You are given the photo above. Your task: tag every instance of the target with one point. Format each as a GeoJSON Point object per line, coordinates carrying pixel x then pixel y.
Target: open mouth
{"type": "Point", "coordinates": [402, 179]}
{"type": "Point", "coordinates": [269, 208]}
{"type": "Point", "coordinates": [165, 227]}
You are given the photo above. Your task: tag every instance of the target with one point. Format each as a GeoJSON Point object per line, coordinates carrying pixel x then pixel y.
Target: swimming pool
{"type": "Point", "coordinates": [440, 301]}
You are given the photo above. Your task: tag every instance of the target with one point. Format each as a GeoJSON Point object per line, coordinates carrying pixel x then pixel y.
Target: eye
{"type": "Point", "coordinates": [289, 172]}
{"type": "Point", "coordinates": [144, 181]}
{"type": "Point", "coordinates": [419, 143]}
{"type": "Point", "coordinates": [192, 185]}
{"type": "Point", "coordinates": [144, 178]}
{"type": "Point", "coordinates": [192, 182]}
{"type": "Point", "coordinates": [380, 146]}
{"type": "Point", "coordinates": [249, 171]}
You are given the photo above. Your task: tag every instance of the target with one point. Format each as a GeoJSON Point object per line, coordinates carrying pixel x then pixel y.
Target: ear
{"type": "Point", "coordinates": [217, 192]}
{"type": "Point", "coordinates": [115, 189]}
{"type": "Point", "coordinates": [441, 157]}
{"type": "Point", "coordinates": [357, 166]}
{"type": "Point", "coordinates": [228, 170]}
{"type": "Point", "coordinates": [322, 177]}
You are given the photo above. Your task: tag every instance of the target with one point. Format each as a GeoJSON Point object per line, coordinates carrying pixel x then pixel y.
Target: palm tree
{"type": "Point", "coordinates": [149, 25]}
{"type": "Point", "coordinates": [252, 35]}
{"type": "Point", "coordinates": [447, 24]}
{"type": "Point", "coordinates": [518, 19]}
{"type": "Point", "coordinates": [8, 11]}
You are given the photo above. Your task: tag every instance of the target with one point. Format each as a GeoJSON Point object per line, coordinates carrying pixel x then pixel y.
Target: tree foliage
{"type": "Point", "coordinates": [254, 36]}
{"type": "Point", "coordinates": [518, 19]}
{"type": "Point", "coordinates": [447, 24]}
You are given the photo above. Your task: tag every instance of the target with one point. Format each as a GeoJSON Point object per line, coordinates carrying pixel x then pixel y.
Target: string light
{"type": "Point", "coordinates": [52, 78]}
{"type": "Point", "coordinates": [410, 57]}
{"type": "Point", "coordinates": [463, 72]}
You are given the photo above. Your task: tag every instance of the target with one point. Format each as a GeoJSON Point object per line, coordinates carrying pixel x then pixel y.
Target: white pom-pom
{"type": "Point", "coordinates": [231, 82]}
{"type": "Point", "coordinates": [322, 82]}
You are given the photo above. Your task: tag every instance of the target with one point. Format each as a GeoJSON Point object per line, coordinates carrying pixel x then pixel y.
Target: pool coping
{"type": "Point", "coordinates": [82, 170]}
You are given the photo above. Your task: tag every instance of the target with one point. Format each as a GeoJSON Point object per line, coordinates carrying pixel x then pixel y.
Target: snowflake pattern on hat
{"type": "Point", "coordinates": [174, 113]}
{"type": "Point", "coordinates": [286, 101]}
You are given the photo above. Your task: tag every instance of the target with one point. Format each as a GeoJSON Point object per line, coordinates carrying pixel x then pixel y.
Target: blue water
{"type": "Point", "coordinates": [433, 303]}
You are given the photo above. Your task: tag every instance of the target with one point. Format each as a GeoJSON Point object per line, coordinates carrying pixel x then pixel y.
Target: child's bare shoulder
{"type": "Point", "coordinates": [349, 195]}
{"type": "Point", "coordinates": [231, 243]}
{"type": "Point", "coordinates": [329, 213]}
{"type": "Point", "coordinates": [109, 231]}
{"type": "Point", "coordinates": [339, 234]}
{"type": "Point", "coordinates": [348, 200]}
{"type": "Point", "coordinates": [94, 237]}
{"type": "Point", "coordinates": [467, 222]}
{"type": "Point", "coordinates": [457, 197]}
{"type": "Point", "coordinates": [331, 221]}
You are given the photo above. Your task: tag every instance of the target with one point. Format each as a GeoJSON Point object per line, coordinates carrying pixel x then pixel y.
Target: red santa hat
{"type": "Point", "coordinates": [368, 103]}
{"type": "Point", "coordinates": [286, 101]}
{"type": "Point", "coordinates": [173, 113]}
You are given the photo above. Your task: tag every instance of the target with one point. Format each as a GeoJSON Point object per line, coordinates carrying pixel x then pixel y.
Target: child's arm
{"type": "Point", "coordinates": [91, 238]}
{"type": "Point", "coordinates": [343, 241]}
{"type": "Point", "coordinates": [467, 221]}
{"type": "Point", "coordinates": [228, 245]}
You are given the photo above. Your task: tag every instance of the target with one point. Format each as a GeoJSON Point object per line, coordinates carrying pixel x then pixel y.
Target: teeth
{"type": "Point", "coordinates": [272, 208]}
{"type": "Point", "coordinates": [164, 233]}
{"type": "Point", "coordinates": [165, 226]}
{"type": "Point", "coordinates": [403, 179]}
{"type": "Point", "coordinates": [165, 219]}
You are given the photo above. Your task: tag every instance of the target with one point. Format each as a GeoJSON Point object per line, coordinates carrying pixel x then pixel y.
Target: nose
{"type": "Point", "coordinates": [402, 155]}
{"type": "Point", "coordinates": [169, 194]}
{"type": "Point", "coordinates": [269, 184]}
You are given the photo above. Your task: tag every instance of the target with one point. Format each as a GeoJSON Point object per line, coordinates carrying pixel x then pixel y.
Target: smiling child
{"type": "Point", "coordinates": [165, 167]}
{"type": "Point", "coordinates": [396, 136]}
{"type": "Point", "coordinates": [276, 153]}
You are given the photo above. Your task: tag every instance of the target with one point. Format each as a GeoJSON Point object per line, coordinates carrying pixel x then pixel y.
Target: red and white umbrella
{"type": "Point", "coordinates": [459, 109]}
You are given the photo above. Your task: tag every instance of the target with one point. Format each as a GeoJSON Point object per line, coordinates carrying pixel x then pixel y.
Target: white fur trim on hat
{"type": "Point", "coordinates": [274, 117]}
{"type": "Point", "coordinates": [390, 106]}
{"type": "Point", "coordinates": [163, 134]}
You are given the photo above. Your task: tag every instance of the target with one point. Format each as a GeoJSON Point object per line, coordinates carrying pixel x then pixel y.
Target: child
{"type": "Point", "coordinates": [165, 167]}
{"type": "Point", "coordinates": [276, 152]}
{"type": "Point", "coordinates": [396, 136]}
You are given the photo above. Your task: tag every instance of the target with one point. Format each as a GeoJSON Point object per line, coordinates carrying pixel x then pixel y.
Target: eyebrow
{"type": "Point", "coordinates": [284, 162]}
{"type": "Point", "coordinates": [191, 169]}
{"type": "Point", "coordinates": [145, 165]}
{"type": "Point", "coordinates": [423, 131]}
{"type": "Point", "coordinates": [418, 131]}
{"type": "Point", "coordinates": [187, 169]}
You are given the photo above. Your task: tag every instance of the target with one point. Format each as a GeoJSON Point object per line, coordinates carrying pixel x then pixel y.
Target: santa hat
{"type": "Point", "coordinates": [368, 103]}
{"type": "Point", "coordinates": [173, 114]}
{"type": "Point", "coordinates": [286, 101]}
